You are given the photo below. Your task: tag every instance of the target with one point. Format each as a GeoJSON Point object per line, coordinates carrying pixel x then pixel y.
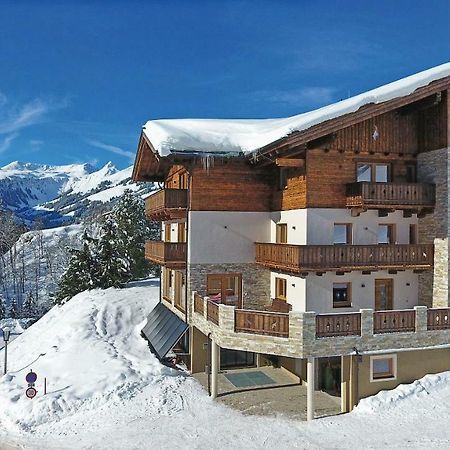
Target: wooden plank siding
{"type": "Point", "coordinates": [230, 186]}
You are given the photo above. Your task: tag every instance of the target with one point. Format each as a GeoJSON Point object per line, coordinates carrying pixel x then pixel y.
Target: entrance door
{"type": "Point", "coordinates": [384, 294]}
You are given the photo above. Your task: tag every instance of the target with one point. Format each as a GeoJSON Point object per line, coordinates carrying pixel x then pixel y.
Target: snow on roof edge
{"type": "Point", "coordinates": [244, 136]}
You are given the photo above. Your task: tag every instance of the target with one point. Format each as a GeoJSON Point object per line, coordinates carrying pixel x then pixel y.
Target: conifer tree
{"type": "Point", "coordinates": [13, 309]}
{"type": "Point", "coordinates": [112, 257]}
{"type": "Point", "coordinates": [30, 307]}
{"type": "Point", "coordinates": [2, 308]}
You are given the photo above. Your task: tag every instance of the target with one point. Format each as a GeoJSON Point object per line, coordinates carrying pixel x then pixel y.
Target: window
{"type": "Point", "coordinates": [342, 295]}
{"type": "Point", "coordinates": [183, 180]}
{"type": "Point", "coordinates": [412, 233]}
{"type": "Point", "coordinates": [383, 368]}
{"type": "Point", "coordinates": [281, 233]}
{"type": "Point", "coordinates": [386, 234]}
{"type": "Point", "coordinates": [225, 288]}
{"type": "Point", "coordinates": [167, 231]}
{"type": "Point", "coordinates": [181, 232]}
{"type": "Point", "coordinates": [373, 172]}
{"type": "Point", "coordinates": [411, 173]}
{"type": "Point", "coordinates": [280, 288]}
{"type": "Point", "coordinates": [342, 233]}
{"type": "Point", "coordinates": [167, 283]}
{"type": "Point", "coordinates": [283, 180]}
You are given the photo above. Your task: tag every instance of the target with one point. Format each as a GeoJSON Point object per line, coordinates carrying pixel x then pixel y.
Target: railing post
{"type": "Point", "coordinates": [295, 325]}
{"type": "Point", "coordinates": [205, 307]}
{"type": "Point", "coordinates": [226, 318]}
{"type": "Point", "coordinates": [421, 318]}
{"type": "Point", "coordinates": [366, 323]}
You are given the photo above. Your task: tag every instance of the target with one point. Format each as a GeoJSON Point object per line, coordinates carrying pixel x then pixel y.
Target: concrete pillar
{"type": "Point", "coordinates": [310, 388]}
{"type": "Point", "coordinates": [215, 367]}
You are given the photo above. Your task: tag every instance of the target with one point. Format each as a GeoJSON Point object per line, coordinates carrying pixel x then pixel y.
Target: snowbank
{"type": "Point", "coordinates": [248, 135]}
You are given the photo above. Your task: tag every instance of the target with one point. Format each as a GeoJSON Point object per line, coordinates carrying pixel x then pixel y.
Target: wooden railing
{"type": "Point", "coordinates": [298, 258]}
{"type": "Point", "coordinates": [166, 253]}
{"type": "Point", "coordinates": [261, 322]}
{"type": "Point", "coordinates": [166, 204]}
{"type": "Point", "coordinates": [198, 304]}
{"type": "Point", "coordinates": [394, 321]}
{"type": "Point", "coordinates": [329, 325]}
{"type": "Point", "coordinates": [402, 195]}
{"type": "Point", "coordinates": [438, 319]}
{"type": "Point", "coordinates": [212, 312]}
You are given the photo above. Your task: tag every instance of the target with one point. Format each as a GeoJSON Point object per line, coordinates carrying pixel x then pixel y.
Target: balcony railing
{"type": "Point", "coordinates": [198, 304]}
{"type": "Point", "coordinates": [304, 258]}
{"type": "Point", "coordinates": [167, 204]}
{"type": "Point", "coordinates": [328, 325]}
{"type": "Point", "coordinates": [438, 319]}
{"type": "Point", "coordinates": [262, 322]}
{"type": "Point", "coordinates": [390, 195]}
{"type": "Point", "coordinates": [169, 254]}
{"type": "Point", "coordinates": [394, 321]}
{"type": "Point", "coordinates": [212, 312]}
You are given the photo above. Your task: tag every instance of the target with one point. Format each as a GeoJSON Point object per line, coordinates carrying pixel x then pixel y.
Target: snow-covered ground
{"type": "Point", "coordinates": [106, 391]}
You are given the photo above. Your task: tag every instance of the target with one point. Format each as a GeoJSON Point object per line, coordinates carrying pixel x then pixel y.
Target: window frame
{"type": "Point", "coordinates": [281, 282]}
{"type": "Point", "coordinates": [281, 233]}
{"type": "Point", "coordinates": [348, 303]}
{"type": "Point", "coordinates": [392, 233]}
{"type": "Point", "coordinates": [167, 232]}
{"type": "Point", "coordinates": [181, 232]}
{"type": "Point", "coordinates": [386, 376]}
{"type": "Point", "coordinates": [373, 169]}
{"type": "Point", "coordinates": [283, 176]}
{"type": "Point", "coordinates": [223, 287]}
{"type": "Point", "coordinates": [348, 233]}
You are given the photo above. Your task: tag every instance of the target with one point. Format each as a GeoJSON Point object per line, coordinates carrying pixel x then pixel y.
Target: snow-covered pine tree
{"type": "Point", "coordinates": [13, 312]}
{"type": "Point", "coordinates": [30, 307]}
{"type": "Point", "coordinates": [2, 308]}
{"type": "Point", "coordinates": [112, 257]}
{"type": "Point", "coordinates": [80, 273]}
{"type": "Point", "coordinates": [134, 229]}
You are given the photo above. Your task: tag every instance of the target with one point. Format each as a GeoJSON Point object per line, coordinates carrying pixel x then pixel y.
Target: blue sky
{"type": "Point", "coordinates": [78, 79]}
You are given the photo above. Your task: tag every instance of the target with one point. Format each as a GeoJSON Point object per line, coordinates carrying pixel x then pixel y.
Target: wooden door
{"type": "Point", "coordinates": [384, 294]}
{"type": "Point", "coordinates": [179, 287]}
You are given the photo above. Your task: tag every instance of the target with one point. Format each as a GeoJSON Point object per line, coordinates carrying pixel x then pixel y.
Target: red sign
{"type": "Point", "coordinates": [31, 392]}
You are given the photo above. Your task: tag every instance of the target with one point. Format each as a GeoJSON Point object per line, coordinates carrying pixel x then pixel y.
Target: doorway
{"type": "Point", "coordinates": [384, 294]}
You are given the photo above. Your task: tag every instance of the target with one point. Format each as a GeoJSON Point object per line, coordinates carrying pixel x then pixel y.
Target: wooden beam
{"type": "Point", "coordinates": [290, 162]}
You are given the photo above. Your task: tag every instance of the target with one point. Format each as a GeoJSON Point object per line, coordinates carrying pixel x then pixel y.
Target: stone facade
{"type": "Point", "coordinates": [434, 167]}
{"type": "Point", "coordinates": [255, 281]}
{"type": "Point", "coordinates": [303, 343]}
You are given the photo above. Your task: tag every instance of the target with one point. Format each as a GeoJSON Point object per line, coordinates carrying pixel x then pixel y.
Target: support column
{"type": "Point", "coordinates": [215, 367]}
{"type": "Point", "coordinates": [310, 388]}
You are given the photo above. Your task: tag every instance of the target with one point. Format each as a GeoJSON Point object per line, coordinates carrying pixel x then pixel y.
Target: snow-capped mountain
{"type": "Point", "coordinates": [61, 194]}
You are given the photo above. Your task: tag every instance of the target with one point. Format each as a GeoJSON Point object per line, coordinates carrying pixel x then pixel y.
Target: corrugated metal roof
{"type": "Point", "coordinates": [163, 330]}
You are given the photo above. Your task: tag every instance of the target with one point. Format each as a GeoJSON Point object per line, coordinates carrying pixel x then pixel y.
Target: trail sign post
{"type": "Point", "coordinates": [6, 334]}
{"type": "Point", "coordinates": [31, 378]}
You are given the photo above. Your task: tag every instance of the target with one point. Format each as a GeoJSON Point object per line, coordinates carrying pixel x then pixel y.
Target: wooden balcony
{"type": "Point", "coordinates": [167, 204]}
{"type": "Point", "coordinates": [262, 322]}
{"type": "Point", "coordinates": [415, 197]}
{"type": "Point", "coordinates": [322, 258]}
{"type": "Point", "coordinates": [169, 254]}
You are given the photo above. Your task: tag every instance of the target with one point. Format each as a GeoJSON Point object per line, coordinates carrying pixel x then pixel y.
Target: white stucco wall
{"type": "Point", "coordinates": [319, 290]}
{"type": "Point", "coordinates": [226, 237]}
{"type": "Point", "coordinates": [296, 225]}
{"type": "Point", "coordinates": [295, 290]}
{"type": "Point", "coordinates": [364, 228]}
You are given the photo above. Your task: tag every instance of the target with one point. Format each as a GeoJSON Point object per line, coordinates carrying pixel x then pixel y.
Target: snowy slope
{"type": "Point", "coordinates": [248, 135]}
{"type": "Point", "coordinates": [62, 194]}
{"type": "Point", "coordinates": [106, 391]}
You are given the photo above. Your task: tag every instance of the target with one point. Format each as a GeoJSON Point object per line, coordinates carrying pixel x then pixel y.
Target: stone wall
{"type": "Point", "coordinates": [255, 281]}
{"type": "Point", "coordinates": [433, 167]}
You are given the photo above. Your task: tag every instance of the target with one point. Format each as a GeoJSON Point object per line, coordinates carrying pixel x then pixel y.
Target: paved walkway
{"type": "Point", "coordinates": [283, 397]}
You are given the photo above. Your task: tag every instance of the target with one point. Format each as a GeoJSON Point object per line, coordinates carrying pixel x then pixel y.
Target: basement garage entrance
{"type": "Point", "coordinates": [329, 375]}
{"type": "Point", "coordinates": [232, 359]}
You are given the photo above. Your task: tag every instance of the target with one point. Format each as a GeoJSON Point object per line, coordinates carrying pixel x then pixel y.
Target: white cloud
{"type": "Point", "coordinates": [112, 149]}
{"type": "Point", "coordinates": [6, 142]}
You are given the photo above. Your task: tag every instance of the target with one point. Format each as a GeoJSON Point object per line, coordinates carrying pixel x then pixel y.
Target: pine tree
{"type": "Point", "coordinates": [134, 229]}
{"type": "Point", "coordinates": [80, 273]}
{"type": "Point", "coordinates": [13, 309]}
{"type": "Point", "coordinates": [2, 308]}
{"type": "Point", "coordinates": [112, 257]}
{"type": "Point", "coordinates": [30, 307]}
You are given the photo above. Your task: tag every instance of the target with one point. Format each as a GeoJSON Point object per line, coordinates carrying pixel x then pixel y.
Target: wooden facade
{"type": "Point", "coordinates": [169, 254]}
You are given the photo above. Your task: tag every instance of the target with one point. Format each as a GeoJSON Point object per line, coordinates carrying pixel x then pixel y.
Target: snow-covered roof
{"type": "Point", "coordinates": [247, 135]}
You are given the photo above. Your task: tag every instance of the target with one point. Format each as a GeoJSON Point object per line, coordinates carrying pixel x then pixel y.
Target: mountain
{"type": "Point", "coordinates": [57, 195]}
